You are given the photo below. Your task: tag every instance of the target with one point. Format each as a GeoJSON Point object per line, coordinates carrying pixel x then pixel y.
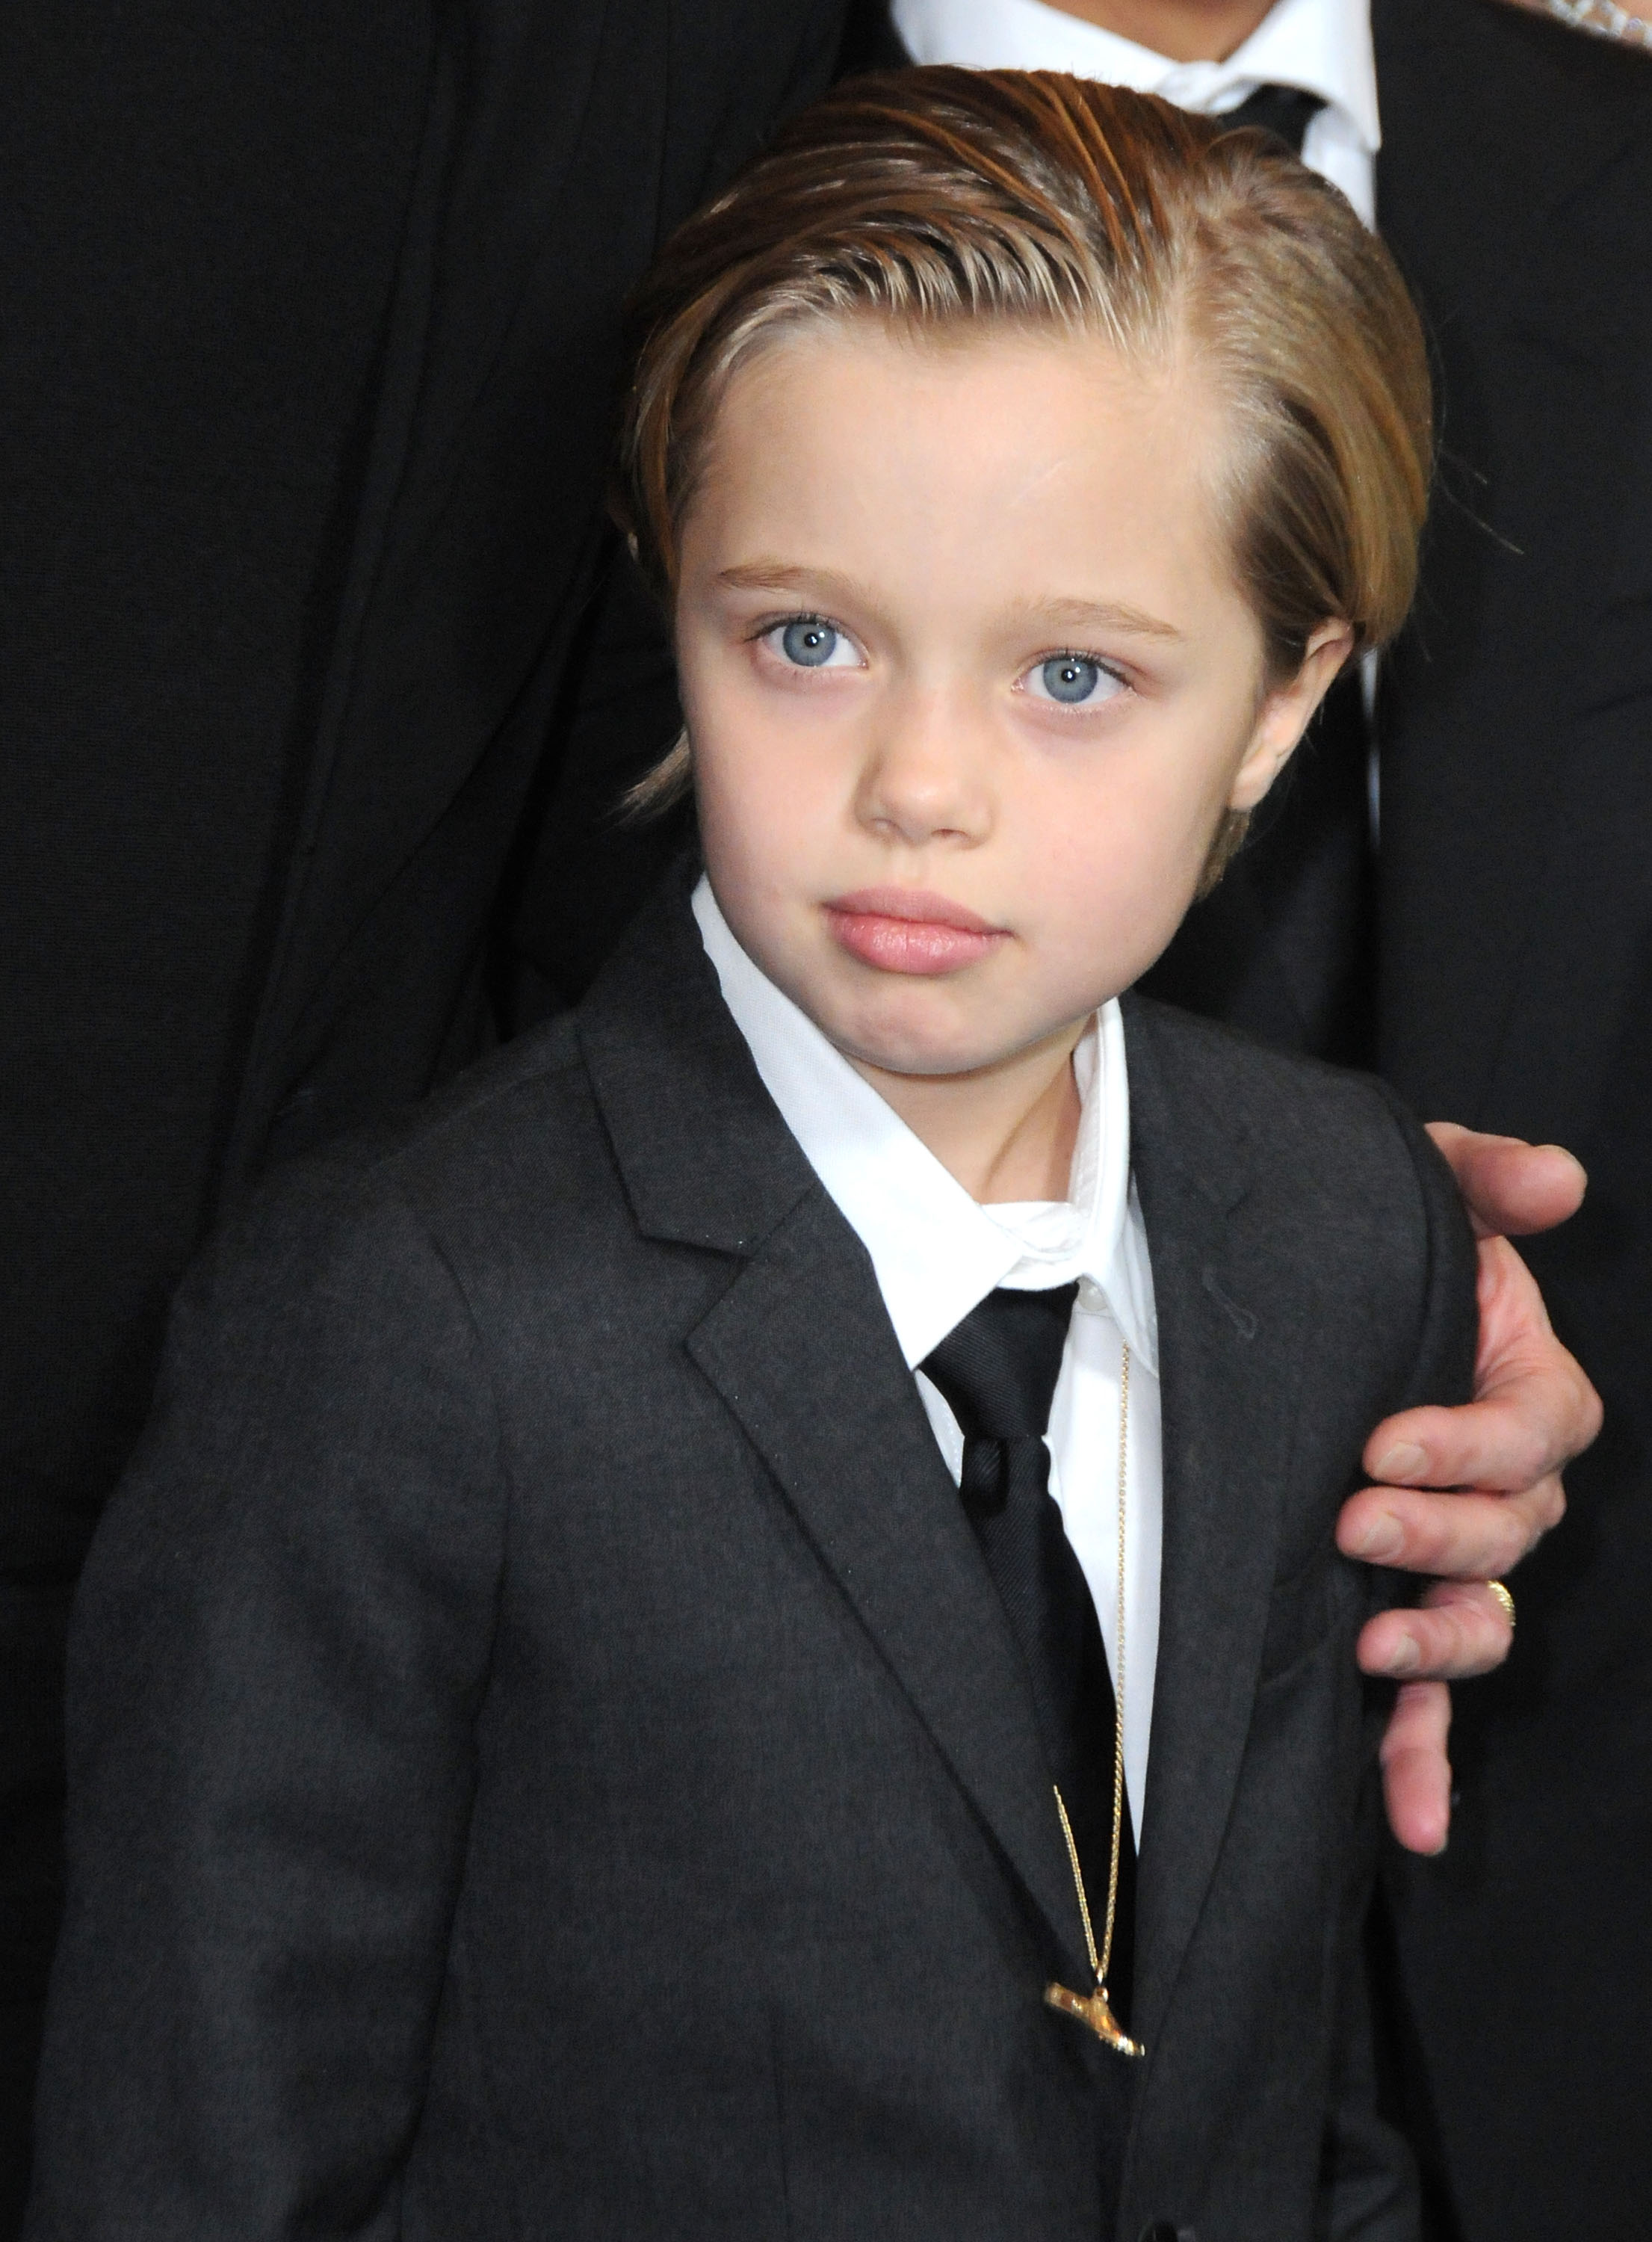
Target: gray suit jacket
{"type": "Point", "coordinates": [546, 1755]}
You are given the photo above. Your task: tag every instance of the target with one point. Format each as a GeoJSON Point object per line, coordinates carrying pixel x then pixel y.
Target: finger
{"type": "Point", "coordinates": [1532, 1411]}
{"type": "Point", "coordinates": [1416, 1773]}
{"type": "Point", "coordinates": [1458, 1631]}
{"type": "Point", "coordinates": [1511, 1188]}
{"type": "Point", "coordinates": [1462, 1537]}
{"type": "Point", "coordinates": [1510, 1439]}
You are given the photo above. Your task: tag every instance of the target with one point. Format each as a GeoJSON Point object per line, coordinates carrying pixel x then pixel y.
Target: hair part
{"type": "Point", "coordinates": [940, 199]}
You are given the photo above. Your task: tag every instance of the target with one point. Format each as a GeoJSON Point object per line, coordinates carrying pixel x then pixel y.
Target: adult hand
{"type": "Point", "coordinates": [1534, 1410]}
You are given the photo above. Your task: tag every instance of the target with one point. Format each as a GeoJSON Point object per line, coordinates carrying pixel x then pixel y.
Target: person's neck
{"type": "Point", "coordinates": [1182, 30]}
{"type": "Point", "coordinates": [1005, 1132]}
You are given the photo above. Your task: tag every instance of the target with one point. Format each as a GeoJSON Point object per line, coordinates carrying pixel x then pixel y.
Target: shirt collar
{"type": "Point", "coordinates": [1323, 46]}
{"type": "Point", "coordinates": [937, 1253]}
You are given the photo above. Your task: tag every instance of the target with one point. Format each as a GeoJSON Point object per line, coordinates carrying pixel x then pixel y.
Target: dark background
{"type": "Point", "coordinates": [316, 683]}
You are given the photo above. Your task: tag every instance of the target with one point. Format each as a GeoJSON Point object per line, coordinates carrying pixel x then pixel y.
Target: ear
{"type": "Point", "coordinates": [1286, 713]}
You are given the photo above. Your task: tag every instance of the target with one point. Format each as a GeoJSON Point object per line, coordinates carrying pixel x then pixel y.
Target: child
{"type": "Point", "coordinates": [598, 1712]}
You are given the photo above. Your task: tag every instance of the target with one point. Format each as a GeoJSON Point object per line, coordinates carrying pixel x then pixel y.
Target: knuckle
{"type": "Point", "coordinates": [1543, 1511]}
{"type": "Point", "coordinates": [1534, 1457]}
{"type": "Point", "coordinates": [1464, 1536]}
{"type": "Point", "coordinates": [1518, 1453]}
{"type": "Point", "coordinates": [1467, 1635]}
{"type": "Point", "coordinates": [1483, 1636]}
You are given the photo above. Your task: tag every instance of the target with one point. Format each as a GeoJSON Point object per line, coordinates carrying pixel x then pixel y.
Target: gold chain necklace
{"type": "Point", "coordinates": [1093, 2008]}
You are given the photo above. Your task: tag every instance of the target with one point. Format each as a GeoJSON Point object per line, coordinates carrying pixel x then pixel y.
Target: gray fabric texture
{"type": "Point", "coordinates": [546, 1756]}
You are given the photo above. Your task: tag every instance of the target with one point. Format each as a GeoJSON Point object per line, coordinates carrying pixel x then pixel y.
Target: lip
{"type": "Point", "coordinates": [911, 930]}
{"type": "Point", "coordinates": [917, 905]}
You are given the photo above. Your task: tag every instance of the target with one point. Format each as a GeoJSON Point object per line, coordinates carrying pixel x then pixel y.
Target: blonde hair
{"type": "Point", "coordinates": [939, 198]}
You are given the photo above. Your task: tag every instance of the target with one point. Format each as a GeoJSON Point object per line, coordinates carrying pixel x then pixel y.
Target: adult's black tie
{"type": "Point", "coordinates": [997, 1371]}
{"type": "Point", "coordinates": [1284, 110]}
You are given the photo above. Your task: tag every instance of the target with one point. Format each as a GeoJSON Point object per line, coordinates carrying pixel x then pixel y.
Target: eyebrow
{"type": "Point", "coordinates": [1054, 614]}
{"type": "Point", "coordinates": [780, 576]}
{"type": "Point", "coordinates": [1092, 615]}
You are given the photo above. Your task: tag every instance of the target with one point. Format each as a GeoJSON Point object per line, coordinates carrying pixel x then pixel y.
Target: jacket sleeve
{"type": "Point", "coordinates": [1442, 1367]}
{"type": "Point", "coordinates": [1370, 2191]}
{"type": "Point", "coordinates": [276, 1662]}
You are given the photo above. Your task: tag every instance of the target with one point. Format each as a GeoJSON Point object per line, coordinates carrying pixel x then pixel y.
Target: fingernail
{"type": "Point", "coordinates": [1406, 1656]}
{"type": "Point", "coordinates": [1381, 1541]}
{"type": "Point", "coordinates": [1402, 1464]}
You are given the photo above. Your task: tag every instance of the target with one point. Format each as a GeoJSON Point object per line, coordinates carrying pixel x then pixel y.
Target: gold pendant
{"type": "Point", "coordinates": [1091, 2009]}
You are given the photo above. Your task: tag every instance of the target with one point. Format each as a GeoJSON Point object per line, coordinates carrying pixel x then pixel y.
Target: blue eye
{"type": "Point", "coordinates": [809, 643]}
{"type": "Point", "coordinates": [1069, 677]}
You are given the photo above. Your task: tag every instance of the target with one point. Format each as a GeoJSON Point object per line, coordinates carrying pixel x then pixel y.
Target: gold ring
{"type": "Point", "coordinates": [1505, 1599]}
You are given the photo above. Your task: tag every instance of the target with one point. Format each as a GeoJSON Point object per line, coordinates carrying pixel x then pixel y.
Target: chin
{"type": "Point", "coordinates": [907, 1059]}
{"type": "Point", "coordinates": [903, 1048]}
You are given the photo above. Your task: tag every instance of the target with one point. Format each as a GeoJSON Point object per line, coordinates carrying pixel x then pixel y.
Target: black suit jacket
{"type": "Point", "coordinates": [1516, 995]}
{"type": "Point", "coordinates": [547, 1756]}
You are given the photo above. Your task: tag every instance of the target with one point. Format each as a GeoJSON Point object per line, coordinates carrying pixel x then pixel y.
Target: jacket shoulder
{"type": "Point", "coordinates": [1280, 1107]}
{"type": "Point", "coordinates": [1332, 1171]}
{"type": "Point", "coordinates": [517, 1117]}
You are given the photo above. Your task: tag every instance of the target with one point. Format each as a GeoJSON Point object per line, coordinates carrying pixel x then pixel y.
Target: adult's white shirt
{"type": "Point", "coordinates": [937, 1253]}
{"type": "Point", "coordinates": [1323, 46]}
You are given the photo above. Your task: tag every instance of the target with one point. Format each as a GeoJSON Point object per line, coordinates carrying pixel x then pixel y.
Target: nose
{"type": "Point", "coordinates": [927, 771]}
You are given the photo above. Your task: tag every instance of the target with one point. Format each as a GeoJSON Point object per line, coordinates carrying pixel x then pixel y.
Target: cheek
{"type": "Point", "coordinates": [1134, 834]}
{"type": "Point", "coordinates": [1111, 865]}
{"type": "Point", "coordinates": [765, 814]}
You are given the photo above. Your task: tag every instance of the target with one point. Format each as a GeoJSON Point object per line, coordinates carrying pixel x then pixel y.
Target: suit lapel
{"type": "Point", "coordinates": [802, 1352]}
{"type": "Point", "coordinates": [1227, 1378]}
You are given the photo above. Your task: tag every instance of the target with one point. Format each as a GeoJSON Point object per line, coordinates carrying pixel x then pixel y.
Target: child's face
{"type": "Point", "coordinates": [968, 683]}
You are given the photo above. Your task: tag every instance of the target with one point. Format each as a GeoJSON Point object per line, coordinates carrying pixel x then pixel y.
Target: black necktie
{"type": "Point", "coordinates": [1284, 110]}
{"type": "Point", "coordinates": [997, 1371]}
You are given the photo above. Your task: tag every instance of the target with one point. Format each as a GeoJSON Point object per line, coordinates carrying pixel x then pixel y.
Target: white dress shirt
{"type": "Point", "coordinates": [937, 1254]}
{"type": "Point", "coordinates": [1323, 46]}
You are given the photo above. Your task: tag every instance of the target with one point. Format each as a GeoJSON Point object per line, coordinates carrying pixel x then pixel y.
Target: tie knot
{"type": "Point", "coordinates": [1284, 110]}
{"type": "Point", "coordinates": [997, 1370]}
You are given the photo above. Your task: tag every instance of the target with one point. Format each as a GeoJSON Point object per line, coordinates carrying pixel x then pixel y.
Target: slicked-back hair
{"type": "Point", "coordinates": [942, 200]}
